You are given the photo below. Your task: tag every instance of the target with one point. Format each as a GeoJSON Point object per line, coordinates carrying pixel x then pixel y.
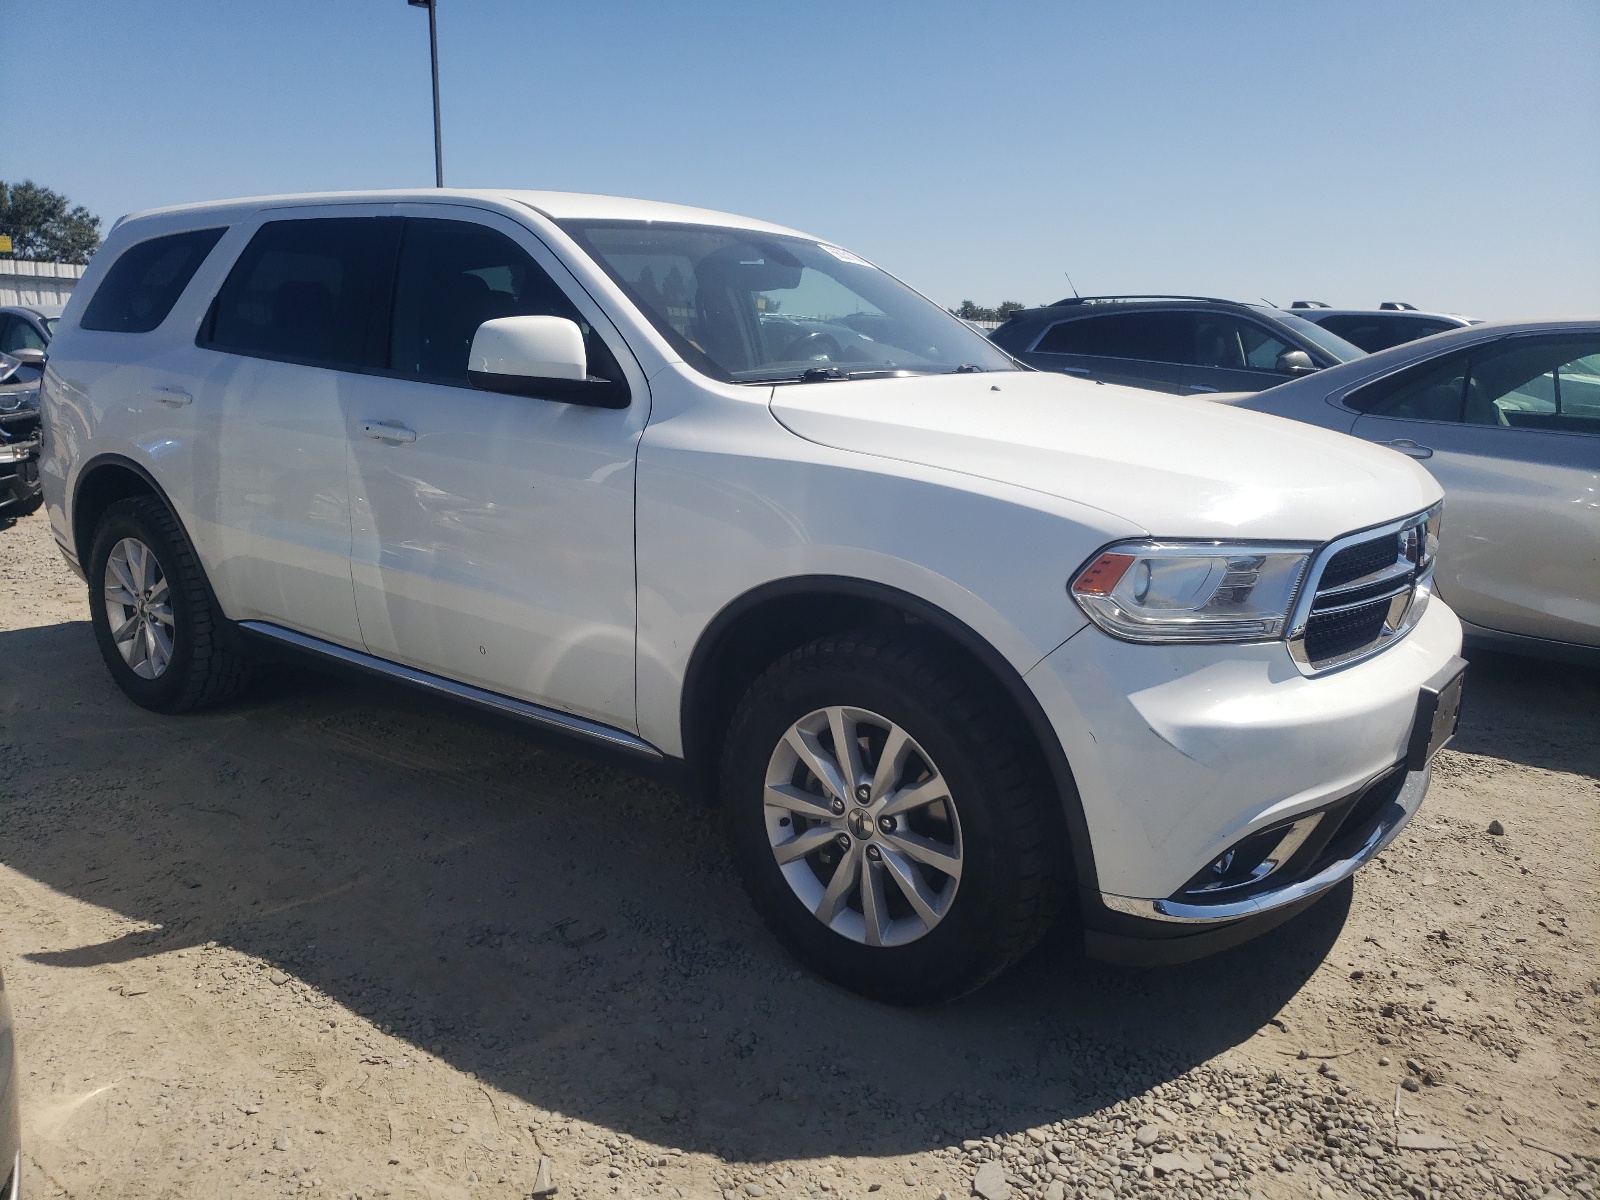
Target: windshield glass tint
{"type": "Point", "coordinates": [750, 307]}
{"type": "Point", "coordinates": [1330, 343]}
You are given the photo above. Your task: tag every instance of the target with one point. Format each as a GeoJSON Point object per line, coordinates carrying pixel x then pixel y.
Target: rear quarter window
{"type": "Point", "coordinates": [145, 282]}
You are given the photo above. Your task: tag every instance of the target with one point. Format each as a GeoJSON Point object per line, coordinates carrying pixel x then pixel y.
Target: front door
{"type": "Point", "coordinates": [493, 534]}
{"type": "Point", "coordinates": [1511, 430]}
{"type": "Point", "coordinates": [1234, 354]}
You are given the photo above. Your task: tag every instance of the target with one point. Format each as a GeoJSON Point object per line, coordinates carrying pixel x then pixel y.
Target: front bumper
{"type": "Point", "coordinates": [1181, 753]}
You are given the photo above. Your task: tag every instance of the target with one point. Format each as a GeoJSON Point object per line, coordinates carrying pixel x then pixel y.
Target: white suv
{"type": "Point", "coordinates": [961, 647]}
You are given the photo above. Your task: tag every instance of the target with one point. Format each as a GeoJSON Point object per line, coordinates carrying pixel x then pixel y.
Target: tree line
{"type": "Point", "coordinates": [976, 312]}
{"type": "Point", "coordinates": [44, 226]}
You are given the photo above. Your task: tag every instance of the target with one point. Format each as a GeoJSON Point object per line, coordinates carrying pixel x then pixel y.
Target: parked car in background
{"type": "Point", "coordinates": [24, 335]}
{"type": "Point", "coordinates": [1507, 417]}
{"type": "Point", "coordinates": [957, 644]}
{"type": "Point", "coordinates": [27, 327]}
{"type": "Point", "coordinates": [1392, 324]}
{"type": "Point", "coordinates": [19, 442]}
{"type": "Point", "coordinates": [1181, 344]}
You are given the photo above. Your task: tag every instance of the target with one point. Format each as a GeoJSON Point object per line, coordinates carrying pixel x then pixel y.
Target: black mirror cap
{"type": "Point", "coordinates": [590, 392]}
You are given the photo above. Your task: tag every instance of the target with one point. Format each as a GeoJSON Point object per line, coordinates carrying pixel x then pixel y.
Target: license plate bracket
{"type": "Point", "coordinates": [1438, 714]}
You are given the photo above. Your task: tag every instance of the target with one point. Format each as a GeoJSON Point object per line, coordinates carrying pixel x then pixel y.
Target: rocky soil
{"type": "Point", "coordinates": [340, 941]}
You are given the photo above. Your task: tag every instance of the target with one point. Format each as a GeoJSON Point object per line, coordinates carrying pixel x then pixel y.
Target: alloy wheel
{"type": "Point", "coordinates": [139, 608]}
{"type": "Point", "coordinates": [862, 826]}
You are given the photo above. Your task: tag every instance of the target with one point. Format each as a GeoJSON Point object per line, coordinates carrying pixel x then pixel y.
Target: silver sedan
{"type": "Point", "coordinates": [1507, 417]}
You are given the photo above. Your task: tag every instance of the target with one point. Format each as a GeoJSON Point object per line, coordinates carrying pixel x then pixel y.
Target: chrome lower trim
{"type": "Point", "coordinates": [534, 714]}
{"type": "Point", "coordinates": [1400, 810]}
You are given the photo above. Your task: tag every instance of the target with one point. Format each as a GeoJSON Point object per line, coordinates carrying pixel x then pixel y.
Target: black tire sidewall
{"type": "Point", "coordinates": [965, 948]}
{"type": "Point", "coordinates": [136, 520]}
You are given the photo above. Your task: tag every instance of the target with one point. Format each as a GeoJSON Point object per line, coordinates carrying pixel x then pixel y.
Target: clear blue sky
{"type": "Point", "coordinates": [1445, 153]}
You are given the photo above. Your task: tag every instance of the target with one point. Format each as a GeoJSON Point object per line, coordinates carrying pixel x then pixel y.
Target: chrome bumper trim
{"type": "Point", "coordinates": [1399, 811]}
{"type": "Point", "coordinates": [534, 714]}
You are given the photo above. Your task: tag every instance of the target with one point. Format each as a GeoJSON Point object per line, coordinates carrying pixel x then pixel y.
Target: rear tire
{"type": "Point", "coordinates": [159, 628]}
{"type": "Point", "coordinates": [950, 860]}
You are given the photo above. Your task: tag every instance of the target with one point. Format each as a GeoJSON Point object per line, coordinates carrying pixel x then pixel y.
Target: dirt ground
{"type": "Point", "coordinates": [337, 940]}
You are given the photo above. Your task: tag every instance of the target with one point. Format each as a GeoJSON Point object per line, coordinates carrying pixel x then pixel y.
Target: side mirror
{"type": "Point", "coordinates": [1294, 362]}
{"type": "Point", "coordinates": [542, 357]}
{"type": "Point", "coordinates": [29, 358]}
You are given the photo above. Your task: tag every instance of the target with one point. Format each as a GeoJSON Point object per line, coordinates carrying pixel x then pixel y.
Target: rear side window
{"type": "Point", "coordinates": [1432, 391]}
{"type": "Point", "coordinates": [313, 291]}
{"type": "Point", "coordinates": [146, 280]}
{"type": "Point", "coordinates": [1151, 336]}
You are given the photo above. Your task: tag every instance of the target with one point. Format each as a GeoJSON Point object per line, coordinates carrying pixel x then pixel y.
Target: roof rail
{"type": "Point", "coordinates": [1396, 306]}
{"type": "Point", "coordinates": [1309, 304]}
{"type": "Point", "coordinates": [1135, 299]}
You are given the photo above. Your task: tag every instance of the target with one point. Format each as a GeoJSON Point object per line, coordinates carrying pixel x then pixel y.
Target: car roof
{"type": "Point", "coordinates": [36, 310]}
{"type": "Point", "coordinates": [1080, 306]}
{"type": "Point", "coordinates": [1316, 314]}
{"type": "Point", "coordinates": [559, 206]}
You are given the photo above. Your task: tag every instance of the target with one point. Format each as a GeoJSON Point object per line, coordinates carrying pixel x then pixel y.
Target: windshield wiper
{"type": "Point", "coordinates": [834, 374]}
{"type": "Point", "coordinates": [967, 369]}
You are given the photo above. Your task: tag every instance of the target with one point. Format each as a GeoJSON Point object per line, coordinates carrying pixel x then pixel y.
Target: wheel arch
{"type": "Point", "coordinates": [760, 626]}
{"type": "Point", "coordinates": [103, 481]}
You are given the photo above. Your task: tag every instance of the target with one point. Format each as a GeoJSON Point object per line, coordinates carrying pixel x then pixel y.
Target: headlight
{"type": "Point", "coordinates": [1151, 591]}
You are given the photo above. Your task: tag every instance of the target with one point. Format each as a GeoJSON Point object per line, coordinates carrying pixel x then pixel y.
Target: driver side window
{"type": "Point", "coordinates": [454, 276]}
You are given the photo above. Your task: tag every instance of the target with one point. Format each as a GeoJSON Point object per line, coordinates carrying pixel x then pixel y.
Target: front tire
{"type": "Point", "coordinates": [885, 820]}
{"type": "Point", "coordinates": [158, 626]}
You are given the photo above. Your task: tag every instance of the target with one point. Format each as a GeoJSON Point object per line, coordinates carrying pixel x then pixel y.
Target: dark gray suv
{"type": "Point", "coordinates": [1181, 344]}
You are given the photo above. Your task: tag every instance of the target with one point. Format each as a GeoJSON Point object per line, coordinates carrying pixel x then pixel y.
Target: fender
{"type": "Point", "coordinates": [701, 662]}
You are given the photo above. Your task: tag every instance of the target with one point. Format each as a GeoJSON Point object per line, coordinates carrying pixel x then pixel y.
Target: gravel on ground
{"type": "Point", "coordinates": [335, 940]}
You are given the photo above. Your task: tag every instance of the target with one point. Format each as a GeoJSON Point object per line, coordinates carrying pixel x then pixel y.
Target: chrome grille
{"type": "Point", "coordinates": [1364, 591]}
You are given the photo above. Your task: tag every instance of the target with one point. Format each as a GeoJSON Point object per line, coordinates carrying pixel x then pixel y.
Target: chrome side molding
{"type": "Point", "coordinates": [522, 710]}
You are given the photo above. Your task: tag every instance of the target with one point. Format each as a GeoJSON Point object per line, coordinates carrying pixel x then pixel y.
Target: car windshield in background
{"type": "Point", "coordinates": [1330, 343]}
{"type": "Point", "coordinates": [748, 307]}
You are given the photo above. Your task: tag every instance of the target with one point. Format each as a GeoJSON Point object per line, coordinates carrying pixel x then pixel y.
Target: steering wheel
{"type": "Point", "coordinates": [815, 344]}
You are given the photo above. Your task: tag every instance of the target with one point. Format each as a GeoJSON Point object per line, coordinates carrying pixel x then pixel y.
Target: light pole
{"type": "Point", "coordinates": [433, 50]}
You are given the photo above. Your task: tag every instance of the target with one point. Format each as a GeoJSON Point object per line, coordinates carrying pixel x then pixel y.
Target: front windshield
{"type": "Point", "coordinates": [749, 307]}
{"type": "Point", "coordinates": [50, 325]}
{"type": "Point", "coordinates": [1330, 343]}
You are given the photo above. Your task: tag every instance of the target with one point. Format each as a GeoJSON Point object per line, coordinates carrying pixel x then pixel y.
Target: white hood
{"type": "Point", "coordinates": [1175, 466]}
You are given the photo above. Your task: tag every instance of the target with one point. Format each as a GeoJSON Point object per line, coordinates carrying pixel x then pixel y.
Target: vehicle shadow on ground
{"type": "Point", "coordinates": [1527, 711]}
{"type": "Point", "coordinates": [569, 933]}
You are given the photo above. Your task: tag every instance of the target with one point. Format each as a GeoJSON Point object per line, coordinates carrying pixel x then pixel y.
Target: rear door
{"type": "Point", "coordinates": [1511, 429]}
{"type": "Point", "coordinates": [1140, 349]}
{"type": "Point", "coordinates": [302, 313]}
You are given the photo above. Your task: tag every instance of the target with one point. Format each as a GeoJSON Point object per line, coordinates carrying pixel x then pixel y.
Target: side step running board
{"type": "Point", "coordinates": [534, 714]}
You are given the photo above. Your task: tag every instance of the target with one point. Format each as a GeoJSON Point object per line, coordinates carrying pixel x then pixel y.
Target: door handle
{"type": "Point", "coordinates": [1407, 446]}
{"type": "Point", "coordinates": [173, 397]}
{"type": "Point", "coordinates": [384, 431]}
{"type": "Point", "coordinates": [1200, 387]}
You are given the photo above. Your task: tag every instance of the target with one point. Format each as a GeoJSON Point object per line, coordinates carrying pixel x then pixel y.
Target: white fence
{"type": "Point", "coordinates": [44, 283]}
